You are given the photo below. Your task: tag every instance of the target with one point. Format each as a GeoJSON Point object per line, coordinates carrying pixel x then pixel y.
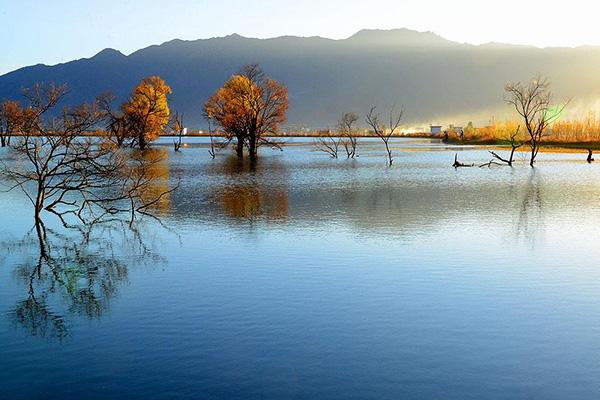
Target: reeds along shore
{"type": "Point", "coordinates": [577, 133]}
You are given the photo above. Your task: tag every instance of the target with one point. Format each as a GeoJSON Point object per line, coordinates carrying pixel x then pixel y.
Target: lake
{"type": "Point", "coordinates": [310, 278]}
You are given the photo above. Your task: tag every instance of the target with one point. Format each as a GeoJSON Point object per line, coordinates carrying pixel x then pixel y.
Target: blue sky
{"type": "Point", "coordinates": [61, 30]}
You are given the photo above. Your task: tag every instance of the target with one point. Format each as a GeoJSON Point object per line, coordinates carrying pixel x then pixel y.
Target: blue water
{"type": "Point", "coordinates": [318, 278]}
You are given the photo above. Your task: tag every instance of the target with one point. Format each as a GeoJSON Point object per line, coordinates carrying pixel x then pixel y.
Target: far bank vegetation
{"type": "Point", "coordinates": [250, 109]}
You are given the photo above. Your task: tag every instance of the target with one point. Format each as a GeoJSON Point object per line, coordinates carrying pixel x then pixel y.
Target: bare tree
{"type": "Point", "coordinates": [329, 143]}
{"type": "Point", "coordinates": [533, 103]}
{"type": "Point", "coordinates": [458, 164]}
{"type": "Point", "coordinates": [383, 132]}
{"type": "Point", "coordinates": [178, 129]}
{"type": "Point", "coordinates": [116, 123]}
{"type": "Point", "coordinates": [70, 174]}
{"type": "Point", "coordinates": [514, 143]}
{"type": "Point", "coordinates": [216, 145]}
{"type": "Point", "coordinates": [347, 130]}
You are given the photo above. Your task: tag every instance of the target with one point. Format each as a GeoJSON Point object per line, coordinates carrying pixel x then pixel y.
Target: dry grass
{"type": "Point", "coordinates": [493, 134]}
{"type": "Point", "coordinates": [583, 131]}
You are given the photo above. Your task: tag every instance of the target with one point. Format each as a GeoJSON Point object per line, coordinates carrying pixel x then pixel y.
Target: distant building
{"type": "Point", "coordinates": [435, 129]}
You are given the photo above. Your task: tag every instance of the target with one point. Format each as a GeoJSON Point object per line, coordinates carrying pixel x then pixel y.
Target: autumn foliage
{"type": "Point", "coordinates": [147, 111]}
{"type": "Point", "coordinates": [248, 107]}
{"type": "Point", "coordinates": [12, 120]}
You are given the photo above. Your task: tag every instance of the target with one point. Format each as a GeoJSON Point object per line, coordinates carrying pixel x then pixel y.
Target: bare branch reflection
{"type": "Point", "coordinates": [73, 278]}
{"type": "Point", "coordinates": [530, 221]}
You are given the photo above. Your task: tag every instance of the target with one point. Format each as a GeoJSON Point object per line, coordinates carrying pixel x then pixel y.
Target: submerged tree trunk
{"type": "Point", "coordinates": [239, 149]}
{"type": "Point", "coordinates": [142, 142]}
{"type": "Point", "coordinates": [39, 229]}
{"type": "Point", "coordinates": [389, 153]}
{"type": "Point", "coordinates": [252, 149]}
{"type": "Point", "coordinates": [39, 225]}
{"type": "Point", "coordinates": [512, 155]}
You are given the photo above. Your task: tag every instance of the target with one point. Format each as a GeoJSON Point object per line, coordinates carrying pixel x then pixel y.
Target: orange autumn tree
{"type": "Point", "coordinates": [229, 108]}
{"type": "Point", "coordinates": [12, 119]}
{"type": "Point", "coordinates": [249, 107]}
{"type": "Point", "coordinates": [147, 111]}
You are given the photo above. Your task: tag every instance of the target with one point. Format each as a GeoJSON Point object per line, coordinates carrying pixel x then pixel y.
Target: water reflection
{"type": "Point", "coordinates": [72, 277]}
{"type": "Point", "coordinates": [530, 222]}
{"type": "Point", "coordinates": [313, 192]}
{"type": "Point", "coordinates": [248, 202]}
{"type": "Point", "coordinates": [250, 192]}
{"type": "Point", "coordinates": [157, 171]}
{"type": "Point", "coordinates": [343, 271]}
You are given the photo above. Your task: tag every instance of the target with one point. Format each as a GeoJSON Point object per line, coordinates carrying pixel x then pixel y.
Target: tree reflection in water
{"type": "Point", "coordinates": [156, 196]}
{"type": "Point", "coordinates": [530, 222]}
{"type": "Point", "coordinates": [73, 277]}
{"type": "Point", "coordinates": [251, 196]}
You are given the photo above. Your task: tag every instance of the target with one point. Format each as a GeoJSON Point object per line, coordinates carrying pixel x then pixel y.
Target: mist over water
{"type": "Point", "coordinates": [308, 277]}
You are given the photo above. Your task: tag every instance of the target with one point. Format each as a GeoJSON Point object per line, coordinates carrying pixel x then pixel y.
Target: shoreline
{"type": "Point", "coordinates": [550, 144]}
{"type": "Point", "coordinates": [490, 143]}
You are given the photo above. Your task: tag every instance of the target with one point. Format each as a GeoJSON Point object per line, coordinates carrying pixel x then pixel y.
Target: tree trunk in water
{"type": "Point", "coordinates": [253, 149]}
{"type": "Point", "coordinates": [2, 141]}
{"type": "Point", "coordinates": [142, 141]}
{"type": "Point", "coordinates": [39, 225]}
{"type": "Point", "coordinates": [512, 155]}
{"type": "Point", "coordinates": [239, 149]}
{"type": "Point", "coordinates": [39, 229]}
{"type": "Point", "coordinates": [389, 153]}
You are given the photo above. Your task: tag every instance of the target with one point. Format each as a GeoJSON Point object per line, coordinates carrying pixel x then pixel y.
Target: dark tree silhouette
{"type": "Point", "coordinates": [384, 132]}
{"type": "Point", "coordinates": [347, 130]}
{"type": "Point", "coordinates": [68, 173]}
{"type": "Point", "coordinates": [532, 102]}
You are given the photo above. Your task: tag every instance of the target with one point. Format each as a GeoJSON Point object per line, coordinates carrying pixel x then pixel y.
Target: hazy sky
{"type": "Point", "coordinates": [34, 31]}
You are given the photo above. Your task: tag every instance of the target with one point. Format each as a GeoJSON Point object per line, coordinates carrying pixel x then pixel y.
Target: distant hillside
{"type": "Point", "coordinates": [436, 79]}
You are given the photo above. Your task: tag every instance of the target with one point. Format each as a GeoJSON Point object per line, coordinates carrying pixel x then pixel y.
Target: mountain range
{"type": "Point", "coordinates": [434, 79]}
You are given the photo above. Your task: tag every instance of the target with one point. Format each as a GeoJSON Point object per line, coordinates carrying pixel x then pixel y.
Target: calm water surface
{"type": "Point", "coordinates": [317, 278]}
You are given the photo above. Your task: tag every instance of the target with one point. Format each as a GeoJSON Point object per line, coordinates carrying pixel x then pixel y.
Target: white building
{"type": "Point", "coordinates": [435, 129]}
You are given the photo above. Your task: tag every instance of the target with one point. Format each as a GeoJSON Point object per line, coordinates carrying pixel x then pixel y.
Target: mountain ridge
{"type": "Point", "coordinates": [435, 78]}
